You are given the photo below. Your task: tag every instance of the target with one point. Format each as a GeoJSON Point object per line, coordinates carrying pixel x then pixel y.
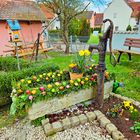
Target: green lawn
{"type": "Point", "coordinates": [126, 72]}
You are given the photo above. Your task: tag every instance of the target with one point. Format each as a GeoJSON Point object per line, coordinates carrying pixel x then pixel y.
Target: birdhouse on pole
{"type": "Point", "coordinates": [14, 27]}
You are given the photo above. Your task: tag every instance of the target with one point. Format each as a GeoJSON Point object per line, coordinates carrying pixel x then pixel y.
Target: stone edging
{"type": "Point", "coordinates": [82, 119]}
{"type": "Point", "coordinates": [136, 103]}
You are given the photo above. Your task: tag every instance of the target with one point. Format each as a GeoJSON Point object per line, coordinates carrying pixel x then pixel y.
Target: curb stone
{"type": "Point", "coordinates": [82, 119]}
{"type": "Point", "coordinates": [110, 128]}
{"type": "Point", "coordinates": [136, 103]}
{"type": "Point", "coordinates": [117, 135]}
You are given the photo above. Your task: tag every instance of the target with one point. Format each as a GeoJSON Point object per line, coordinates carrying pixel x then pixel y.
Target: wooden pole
{"type": "Point", "coordinates": [37, 47]}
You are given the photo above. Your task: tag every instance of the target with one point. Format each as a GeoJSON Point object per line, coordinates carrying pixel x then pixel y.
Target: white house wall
{"type": "Point", "coordinates": [119, 12]}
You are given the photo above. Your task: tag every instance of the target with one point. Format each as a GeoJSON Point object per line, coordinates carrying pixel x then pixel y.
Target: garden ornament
{"type": "Point", "coordinates": [14, 28]}
{"type": "Point", "coordinates": [116, 85]}
{"type": "Point", "coordinates": [101, 47]}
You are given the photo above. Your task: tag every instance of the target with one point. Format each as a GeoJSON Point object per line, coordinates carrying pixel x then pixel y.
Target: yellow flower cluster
{"type": "Point", "coordinates": [128, 105]}
{"type": "Point", "coordinates": [84, 52]}
{"type": "Point", "coordinates": [72, 65]}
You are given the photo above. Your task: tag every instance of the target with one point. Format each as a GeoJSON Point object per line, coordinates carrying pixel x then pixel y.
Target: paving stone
{"type": "Point", "coordinates": [136, 103]}
{"type": "Point", "coordinates": [45, 121]}
{"type": "Point", "coordinates": [48, 129]}
{"type": "Point", "coordinates": [57, 126]}
{"type": "Point", "coordinates": [110, 128]}
{"type": "Point", "coordinates": [82, 118]}
{"type": "Point", "coordinates": [91, 116]}
{"type": "Point", "coordinates": [66, 123]}
{"type": "Point", "coordinates": [117, 135]}
{"type": "Point", "coordinates": [104, 121]}
{"type": "Point", "coordinates": [21, 136]}
{"type": "Point", "coordinates": [97, 112]}
{"type": "Point", "coordinates": [74, 121]}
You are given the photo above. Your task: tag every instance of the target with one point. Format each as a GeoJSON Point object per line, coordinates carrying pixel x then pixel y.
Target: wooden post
{"type": "Point", "coordinates": [37, 47]}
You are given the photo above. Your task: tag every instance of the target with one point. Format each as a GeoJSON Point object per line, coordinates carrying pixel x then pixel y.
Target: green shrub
{"type": "Point", "coordinates": [7, 78]}
{"type": "Point", "coordinates": [129, 28]}
{"type": "Point", "coordinates": [10, 64]}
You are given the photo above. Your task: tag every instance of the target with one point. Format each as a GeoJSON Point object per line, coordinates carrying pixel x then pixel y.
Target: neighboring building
{"type": "Point", "coordinates": [50, 16]}
{"type": "Point", "coordinates": [28, 14]}
{"type": "Point", "coordinates": [89, 16]}
{"type": "Point", "coordinates": [122, 13]}
{"type": "Point", "coordinates": [98, 17]}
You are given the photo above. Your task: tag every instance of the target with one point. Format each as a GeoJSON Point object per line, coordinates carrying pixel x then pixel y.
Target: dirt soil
{"type": "Point", "coordinates": [122, 123]}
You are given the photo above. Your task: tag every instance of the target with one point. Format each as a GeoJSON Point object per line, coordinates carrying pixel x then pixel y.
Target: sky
{"type": "Point", "coordinates": [99, 5]}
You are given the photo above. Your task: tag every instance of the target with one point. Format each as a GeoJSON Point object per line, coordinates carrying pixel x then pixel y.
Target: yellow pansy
{"type": "Point", "coordinates": [87, 52]}
{"type": "Point", "coordinates": [57, 83]}
{"type": "Point", "coordinates": [19, 91]}
{"type": "Point", "coordinates": [61, 72]}
{"type": "Point", "coordinates": [58, 74]}
{"type": "Point", "coordinates": [76, 84]}
{"type": "Point", "coordinates": [49, 86]}
{"type": "Point", "coordinates": [81, 53]}
{"type": "Point", "coordinates": [29, 81]}
{"type": "Point", "coordinates": [40, 75]}
{"type": "Point", "coordinates": [22, 80]}
{"type": "Point", "coordinates": [33, 91]}
{"type": "Point", "coordinates": [71, 81]}
{"type": "Point", "coordinates": [72, 65]}
{"type": "Point", "coordinates": [49, 74]}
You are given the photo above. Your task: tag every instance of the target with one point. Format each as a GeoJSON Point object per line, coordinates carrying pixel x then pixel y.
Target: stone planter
{"type": "Point", "coordinates": [58, 103]}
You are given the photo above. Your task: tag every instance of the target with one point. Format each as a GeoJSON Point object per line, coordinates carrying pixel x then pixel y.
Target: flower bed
{"type": "Point", "coordinates": [47, 86]}
{"type": "Point", "coordinates": [124, 115]}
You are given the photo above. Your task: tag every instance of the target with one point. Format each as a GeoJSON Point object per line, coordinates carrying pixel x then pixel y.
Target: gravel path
{"type": "Point", "coordinates": [24, 131]}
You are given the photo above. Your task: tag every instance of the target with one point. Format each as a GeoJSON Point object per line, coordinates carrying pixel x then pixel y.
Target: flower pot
{"type": "Point", "coordinates": [74, 76]}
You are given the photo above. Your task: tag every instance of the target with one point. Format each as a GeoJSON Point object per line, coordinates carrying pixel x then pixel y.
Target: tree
{"type": "Point", "coordinates": [66, 11]}
{"type": "Point", "coordinates": [75, 27]}
{"type": "Point", "coordinates": [85, 29]}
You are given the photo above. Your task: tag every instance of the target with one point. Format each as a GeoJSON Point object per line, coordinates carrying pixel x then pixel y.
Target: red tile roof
{"type": "Point", "coordinates": [136, 8]}
{"type": "Point", "coordinates": [98, 19]}
{"type": "Point", "coordinates": [47, 12]}
{"type": "Point", "coordinates": [86, 14]}
{"type": "Point", "coordinates": [20, 10]}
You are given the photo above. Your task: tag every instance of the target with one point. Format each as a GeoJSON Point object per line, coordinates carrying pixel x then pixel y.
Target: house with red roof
{"type": "Point", "coordinates": [29, 16]}
{"type": "Point", "coordinates": [122, 13]}
{"type": "Point", "coordinates": [98, 20]}
{"type": "Point", "coordinates": [50, 16]}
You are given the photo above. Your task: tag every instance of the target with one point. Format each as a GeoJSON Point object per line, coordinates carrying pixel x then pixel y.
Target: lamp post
{"type": "Point", "coordinates": [101, 47]}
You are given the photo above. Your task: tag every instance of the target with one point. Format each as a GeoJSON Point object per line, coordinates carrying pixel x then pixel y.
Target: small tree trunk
{"type": "Point", "coordinates": [66, 39]}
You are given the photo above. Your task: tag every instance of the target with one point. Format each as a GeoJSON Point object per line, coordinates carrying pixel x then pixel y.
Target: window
{"type": "Point", "coordinates": [114, 15]}
{"type": "Point", "coordinates": [116, 28]}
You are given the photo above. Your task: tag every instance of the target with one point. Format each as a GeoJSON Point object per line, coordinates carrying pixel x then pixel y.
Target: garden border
{"type": "Point", "coordinates": [136, 103]}
{"type": "Point", "coordinates": [69, 122]}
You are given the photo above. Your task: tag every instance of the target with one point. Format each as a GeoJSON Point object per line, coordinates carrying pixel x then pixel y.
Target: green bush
{"type": "Point", "coordinates": [10, 64]}
{"type": "Point", "coordinates": [129, 28]}
{"type": "Point", "coordinates": [6, 78]}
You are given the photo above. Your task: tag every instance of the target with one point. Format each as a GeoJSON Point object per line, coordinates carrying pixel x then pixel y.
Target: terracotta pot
{"type": "Point", "coordinates": [74, 76]}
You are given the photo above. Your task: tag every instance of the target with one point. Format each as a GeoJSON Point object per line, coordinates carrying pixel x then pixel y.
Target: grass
{"type": "Point", "coordinates": [126, 72]}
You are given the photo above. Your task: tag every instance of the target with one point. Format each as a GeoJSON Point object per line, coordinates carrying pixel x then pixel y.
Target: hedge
{"type": "Point", "coordinates": [6, 78]}
{"type": "Point", "coordinates": [10, 64]}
